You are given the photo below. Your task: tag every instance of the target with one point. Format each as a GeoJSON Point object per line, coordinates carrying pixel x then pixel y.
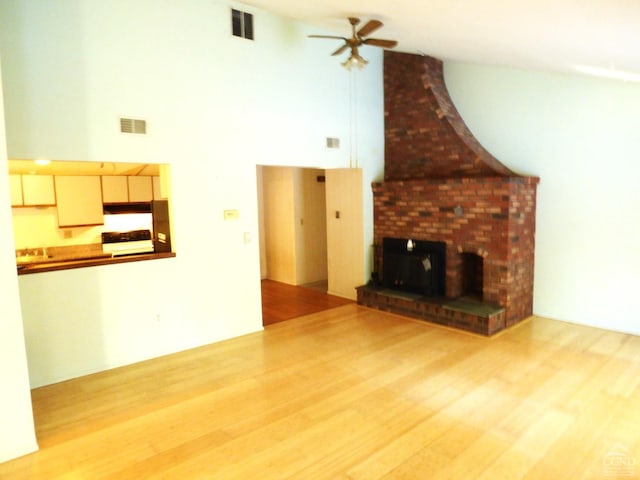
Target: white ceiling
{"type": "Point", "coordinates": [600, 37]}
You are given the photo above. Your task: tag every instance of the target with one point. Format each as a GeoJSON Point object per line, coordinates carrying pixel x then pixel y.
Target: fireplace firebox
{"type": "Point", "coordinates": [416, 266]}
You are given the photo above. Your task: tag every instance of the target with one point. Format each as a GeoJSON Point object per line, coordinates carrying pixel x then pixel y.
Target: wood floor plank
{"type": "Point", "coordinates": [350, 393]}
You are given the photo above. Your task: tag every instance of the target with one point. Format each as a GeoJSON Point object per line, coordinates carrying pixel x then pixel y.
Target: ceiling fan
{"type": "Point", "coordinates": [357, 39]}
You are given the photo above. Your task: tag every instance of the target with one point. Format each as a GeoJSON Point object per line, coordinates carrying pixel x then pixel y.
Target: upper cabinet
{"type": "Point", "coordinates": [79, 200]}
{"type": "Point", "coordinates": [15, 185]}
{"type": "Point", "coordinates": [157, 188]}
{"type": "Point", "coordinates": [32, 190]}
{"type": "Point", "coordinates": [140, 189]}
{"type": "Point", "coordinates": [38, 190]}
{"type": "Point", "coordinates": [115, 189]}
{"type": "Point", "coordinates": [126, 189]}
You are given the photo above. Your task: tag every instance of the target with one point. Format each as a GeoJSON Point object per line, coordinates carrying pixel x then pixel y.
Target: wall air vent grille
{"type": "Point", "coordinates": [242, 24]}
{"type": "Point", "coordinates": [333, 142]}
{"type": "Point", "coordinates": [132, 125]}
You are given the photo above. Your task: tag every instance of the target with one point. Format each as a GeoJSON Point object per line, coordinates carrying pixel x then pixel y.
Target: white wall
{"type": "Point", "coordinates": [216, 106]}
{"type": "Point", "coordinates": [17, 435]}
{"type": "Point", "coordinates": [580, 136]}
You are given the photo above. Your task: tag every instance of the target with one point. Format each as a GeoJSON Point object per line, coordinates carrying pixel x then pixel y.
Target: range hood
{"type": "Point", "coordinates": [116, 208]}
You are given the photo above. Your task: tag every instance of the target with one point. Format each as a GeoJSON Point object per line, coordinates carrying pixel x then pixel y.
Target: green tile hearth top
{"type": "Point", "coordinates": [388, 292]}
{"type": "Point", "coordinates": [472, 307]}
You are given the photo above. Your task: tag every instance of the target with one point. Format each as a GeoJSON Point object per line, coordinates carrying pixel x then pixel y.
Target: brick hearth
{"type": "Point", "coordinates": [441, 185]}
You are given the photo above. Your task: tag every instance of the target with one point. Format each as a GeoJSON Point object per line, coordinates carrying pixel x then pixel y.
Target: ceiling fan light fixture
{"type": "Point", "coordinates": [357, 39]}
{"type": "Point", "coordinates": [354, 60]}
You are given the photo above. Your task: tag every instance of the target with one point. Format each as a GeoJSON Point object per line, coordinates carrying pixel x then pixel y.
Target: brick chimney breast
{"type": "Point", "coordinates": [425, 137]}
{"type": "Point", "coordinates": [441, 185]}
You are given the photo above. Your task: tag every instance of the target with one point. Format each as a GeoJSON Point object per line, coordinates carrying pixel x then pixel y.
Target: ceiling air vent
{"type": "Point", "coordinates": [132, 125]}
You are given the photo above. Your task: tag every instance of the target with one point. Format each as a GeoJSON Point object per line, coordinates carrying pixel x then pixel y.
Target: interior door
{"type": "Point", "coordinates": [345, 236]}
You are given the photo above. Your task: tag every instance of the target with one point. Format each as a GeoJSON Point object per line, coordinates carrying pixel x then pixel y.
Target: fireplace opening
{"type": "Point", "coordinates": [472, 275]}
{"type": "Point", "coordinates": [416, 266]}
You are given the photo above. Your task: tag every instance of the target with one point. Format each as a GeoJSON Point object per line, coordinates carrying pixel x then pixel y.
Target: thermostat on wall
{"type": "Point", "coordinates": [231, 214]}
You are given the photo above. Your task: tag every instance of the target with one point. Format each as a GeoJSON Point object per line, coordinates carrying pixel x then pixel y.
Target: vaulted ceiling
{"type": "Point", "coordinates": [599, 37]}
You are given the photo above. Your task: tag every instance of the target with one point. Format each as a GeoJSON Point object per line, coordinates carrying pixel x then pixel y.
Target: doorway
{"type": "Point", "coordinates": [310, 228]}
{"type": "Point", "coordinates": [293, 226]}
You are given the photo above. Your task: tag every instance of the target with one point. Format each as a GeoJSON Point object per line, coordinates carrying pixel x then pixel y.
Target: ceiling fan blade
{"type": "Point", "coordinates": [369, 27]}
{"type": "Point", "coordinates": [341, 49]}
{"type": "Point", "coordinates": [327, 36]}
{"type": "Point", "coordinates": [378, 42]}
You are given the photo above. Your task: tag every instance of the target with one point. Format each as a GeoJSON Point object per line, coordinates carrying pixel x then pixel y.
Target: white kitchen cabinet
{"type": "Point", "coordinates": [157, 188]}
{"type": "Point", "coordinates": [115, 189]}
{"type": "Point", "coordinates": [32, 190]}
{"type": "Point", "coordinates": [140, 189]}
{"type": "Point", "coordinates": [79, 199]}
{"type": "Point", "coordinates": [124, 189]}
{"type": "Point", "coordinates": [38, 190]}
{"type": "Point", "coordinates": [15, 185]}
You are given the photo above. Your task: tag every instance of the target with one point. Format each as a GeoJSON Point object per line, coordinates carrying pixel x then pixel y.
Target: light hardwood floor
{"type": "Point", "coordinates": [353, 393]}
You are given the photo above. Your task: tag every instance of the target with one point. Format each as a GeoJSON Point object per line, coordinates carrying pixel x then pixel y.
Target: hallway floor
{"type": "Point", "coordinates": [281, 301]}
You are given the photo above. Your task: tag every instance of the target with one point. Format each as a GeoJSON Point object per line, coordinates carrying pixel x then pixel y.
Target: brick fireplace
{"type": "Point", "coordinates": [441, 185]}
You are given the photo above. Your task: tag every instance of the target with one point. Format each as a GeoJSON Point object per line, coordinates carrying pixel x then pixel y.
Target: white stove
{"type": "Point", "coordinates": [127, 243]}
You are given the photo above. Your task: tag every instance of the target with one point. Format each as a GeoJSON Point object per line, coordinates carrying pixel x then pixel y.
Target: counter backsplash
{"type": "Point", "coordinates": [62, 252]}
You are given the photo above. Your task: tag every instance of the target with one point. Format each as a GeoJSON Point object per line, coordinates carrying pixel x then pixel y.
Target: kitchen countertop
{"type": "Point", "coordinates": [69, 262]}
